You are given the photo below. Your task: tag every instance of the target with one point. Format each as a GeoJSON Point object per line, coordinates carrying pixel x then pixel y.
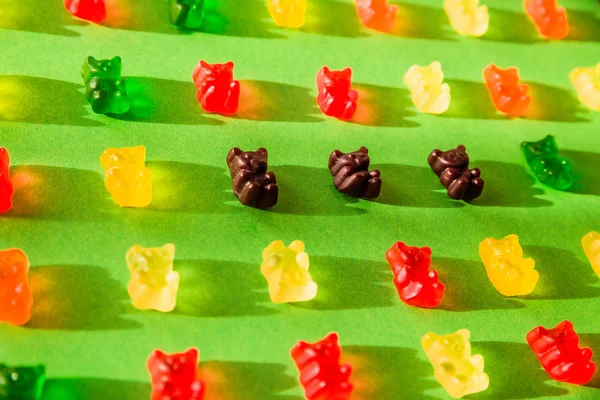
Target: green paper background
{"type": "Point", "coordinates": [95, 344]}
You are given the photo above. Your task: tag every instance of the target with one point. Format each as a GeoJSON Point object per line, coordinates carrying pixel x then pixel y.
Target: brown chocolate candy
{"type": "Point", "coordinates": [455, 158]}
{"type": "Point", "coordinates": [352, 176]}
{"type": "Point", "coordinates": [252, 184]}
{"type": "Point", "coordinates": [462, 184]}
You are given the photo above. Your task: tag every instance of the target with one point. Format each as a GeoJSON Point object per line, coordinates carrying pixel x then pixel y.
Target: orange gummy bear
{"type": "Point", "coordinates": [549, 19]}
{"type": "Point", "coordinates": [16, 299]}
{"type": "Point", "coordinates": [376, 14]}
{"type": "Point", "coordinates": [507, 93]}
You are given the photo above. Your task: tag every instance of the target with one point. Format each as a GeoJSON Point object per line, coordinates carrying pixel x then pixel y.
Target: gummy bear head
{"type": "Point", "coordinates": [324, 351]}
{"type": "Point", "coordinates": [358, 160]}
{"type": "Point", "coordinates": [124, 157]}
{"type": "Point", "coordinates": [545, 147]}
{"type": "Point", "coordinates": [335, 80]}
{"type": "Point", "coordinates": [507, 247]}
{"type": "Point", "coordinates": [454, 346]}
{"type": "Point", "coordinates": [14, 266]}
{"type": "Point", "coordinates": [211, 74]}
{"type": "Point", "coordinates": [110, 69]}
{"type": "Point", "coordinates": [277, 255]}
{"type": "Point", "coordinates": [151, 266]}
{"type": "Point", "coordinates": [21, 381]}
{"type": "Point", "coordinates": [400, 255]}
{"type": "Point", "coordinates": [178, 367]}
{"type": "Point", "coordinates": [255, 161]}
{"type": "Point", "coordinates": [553, 171]}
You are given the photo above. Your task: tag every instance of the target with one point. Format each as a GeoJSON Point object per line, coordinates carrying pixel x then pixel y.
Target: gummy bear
{"type": "Point", "coordinates": [90, 10]}
{"type": "Point", "coordinates": [126, 177]}
{"type": "Point", "coordinates": [452, 167]}
{"type": "Point", "coordinates": [352, 176]}
{"type": "Point", "coordinates": [509, 272]}
{"type": "Point", "coordinates": [335, 95]}
{"type": "Point", "coordinates": [16, 299]}
{"type": "Point", "coordinates": [6, 187]}
{"type": "Point", "coordinates": [558, 351]}
{"type": "Point", "coordinates": [376, 14]}
{"type": "Point", "coordinates": [287, 13]}
{"type": "Point", "coordinates": [508, 95]}
{"type": "Point", "coordinates": [467, 17]}
{"type": "Point", "coordinates": [462, 184]}
{"type": "Point", "coordinates": [286, 271]}
{"type": "Point", "coordinates": [187, 14]}
{"type": "Point", "coordinates": [153, 284]}
{"type": "Point", "coordinates": [454, 368]}
{"type": "Point", "coordinates": [217, 91]}
{"type": "Point", "coordinates": [428, 92]}
{"type": "Point", "coordinates": [175, 376]}
{"type": "Point", "coordinates": [321, 375]}
{"type": "Point", "coordinates": [104, 89]}
{"type": "Point", "coordinates": [543, 159]}
{"type": "Point", "coordinates": [252, 184]}
{"type": "Point", "coordinates": [549, 19]}
{"type": "Point", "coordinates": [586, 81]}
{"type": "Point", "coordinates": [591, 246]}
{"type": "Point", "coordinates": [22, 383]}
{"type": "Point", "coordinates": [417, 285]}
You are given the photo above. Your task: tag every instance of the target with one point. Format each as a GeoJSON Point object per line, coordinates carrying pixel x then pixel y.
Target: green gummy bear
{"type": "Point", "coordinates": [543, 159]}
{"type": "Point", "coordinates": [22, 383]}
{"type": "Point", "coordinates": [107, 96]}
{"type": "Point", "coordinates": [104, 69]}
{"type": "Point", "coordinates": [187, 13]}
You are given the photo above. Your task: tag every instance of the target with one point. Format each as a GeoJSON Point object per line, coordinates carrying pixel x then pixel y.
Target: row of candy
{"type": "Point", "coordinates": [129, 182]}
{"type": "Point", "coordinates": [323, 376]}
{"type": "Point", "coordinates": [154, 284]}
{"type": "Point", "coordinates": [467, 17]}
{"type": "Point", "coordinates": [218, 92]}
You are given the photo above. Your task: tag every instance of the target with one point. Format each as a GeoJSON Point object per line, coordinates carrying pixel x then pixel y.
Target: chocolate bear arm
{"type": "Point", "coordinates": [449, 175]}
{"type": "Point", "coordinates": [341, 175]}
{"type": "Point", "coordinates": [475, 189]}
{"type": "Point", "coordinates": [333, 157]}
{"type": "Point", "coordinates": [440, 160]}
{"type": "Point", "coordinates": [355, 185]}
{"type": "Point", "coordinates": [373, 186]}
{"type": "Point", "coordinates": [257, 194]}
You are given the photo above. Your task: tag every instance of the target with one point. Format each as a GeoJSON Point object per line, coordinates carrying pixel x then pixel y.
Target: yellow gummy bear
{"type": "Point", "coordinates": [428, 92]}
{"type": "Point", "coordinates": [467, 17]}
{"type": "Point", "coordinates": [153, 284]}
{"type": "Point", "coordinates": [126, 176]}
{"type": "Point", "coordinates": [453, 366]}
{"type": "Point", "coordinates": [509, 272]}
{"type": "Point", "coordinates": [286, 271]}
{"type": "Point", "coordinates": [288, 13]}
{"type": "Point", "coordinates": [591, 246]}
{"type": "Point", "coordinates": [587, 84]}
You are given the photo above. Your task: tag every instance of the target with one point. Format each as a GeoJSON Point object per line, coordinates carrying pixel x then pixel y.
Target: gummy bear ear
{"type": "Point", "coordinates": [170, 249]}
{"type": "Point", "coordinates": [428, 340]}
{"type": "Point", "coordinates": [116, 59]}
{"type": "Point", "coordinates": [332, 337]}
{"type": "Point", "coordinates": [91, 61]}
{"type": "Point", "coordinates": [192, 352]}
{"type": "Point", "coordinates": [465, 333]}
{"type": "Point", "coordinates": [229, 65]}
{"type": "Point", "coordinates": [39, 370]}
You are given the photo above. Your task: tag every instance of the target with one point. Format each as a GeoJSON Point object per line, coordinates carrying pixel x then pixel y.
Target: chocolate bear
{"type": "Point", "coordinates": [455, 158]}
{"type": "Point", "coordinates": [252, 184]}
{"type": "Point", "coordinates": [452, 167]}
{"type": "Point", "coordinates": [352, 176]}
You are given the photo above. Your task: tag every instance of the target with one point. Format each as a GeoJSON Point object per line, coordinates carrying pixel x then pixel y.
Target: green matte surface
{"type": "Point", "coordinates": [95, 344]}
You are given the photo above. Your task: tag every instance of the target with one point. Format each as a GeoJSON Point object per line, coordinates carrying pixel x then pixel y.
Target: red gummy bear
{"type": "Point", "coordinates": [559, 353]}
{"type": "Point", "coordinates": [335, 95]}
{"type": "Point", "coordinates": [549, 19]}
{"type": "Point", "coordinates": [376, 14]}
{"type": "Point", "coordinates": [416, 284]}
{"type": "Point", "coordinates": [175, 376]}
{"type": "Point", "coordinates": [506, 93]}
{"type": "Point", "coordinates": [6, 186]}
{"type": "Point", "coordinates": [321, 375]}
{"type": "Point", "coordinates": [217, 91]}
{"type": "Point", "coordinates": [16, 299]}
{"type": "Point", "coordinates": [90, 10]}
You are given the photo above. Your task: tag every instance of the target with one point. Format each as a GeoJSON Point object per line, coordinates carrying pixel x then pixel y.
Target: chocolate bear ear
{"type": "Point", "coordinates": [363, 149]}
{"type": "Point", "coordinates": [262, 150]}
{"type": "Point", "coordinates": [460, 147]}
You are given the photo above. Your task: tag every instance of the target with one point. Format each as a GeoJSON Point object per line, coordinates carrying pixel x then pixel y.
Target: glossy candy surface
{"type": "Point", "coordinates": [16, 298]}
{"type": "Point", "coordinates": [376, 14]}
{"type": "Point", "coordinates": [6, 186]}
{"type": "Point", "coordinates": [175, 376]}
{"type": "Point", "coordinates": [509, 272]}
{"type": "Point", "coordinates": [459, 372]}
{"type": "Point", "coordinates": [586, 81]}
{"type": "Point", "coordinates": [467, 17]}
{"type": "Point", "coordinates": [591, 247]}
{"type": "Point", "coordinates": [548, 18]}
{"type": "Point", "coordinates": [153, 284]}
{"type": "Point", "coordinates": [287, 13]}
{"type": "Point", "coordinates": [351, 174]}
{"type": "Point", "coordinates": [558, 351]}
{"type": "Point", "coordinates": [544, 161]}
{"type": "Point", "coordinates": [22, 383]}
{"type": "Point", "coordinates": [105, 90]}
{"type": "Point", "coordinates": [507, 93]}
{"type": "Point", "coordinates": [217, 91]}
{"type": "Point", "coordinates": [187, 13]}
{"type": "Point", "coordinates": [335, 97]}
{"type": "Point", "coordinates": [286, 271]}
{"type": "Point", "coordinates": [90, 10]}
{"type": "Point", "coordinates": [321, 375]}
{"type": "Point", "coordinates": [428, 92]}
{"type": "Point", "coordinates": [417, 285]}
{"type": "Point", "coordinates": [126, 177]}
